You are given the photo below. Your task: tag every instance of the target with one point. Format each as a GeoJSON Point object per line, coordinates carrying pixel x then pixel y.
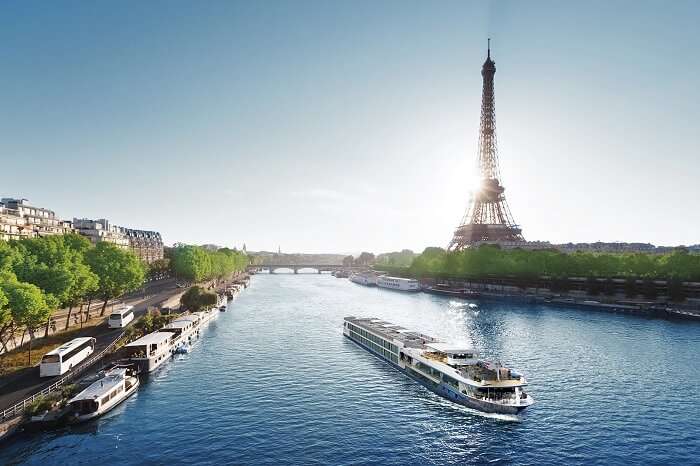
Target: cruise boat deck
{"type": "Point", "coordinates": [389, 331]}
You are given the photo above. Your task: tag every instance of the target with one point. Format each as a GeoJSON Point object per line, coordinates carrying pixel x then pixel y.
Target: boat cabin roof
{"type": "Point", "coordinates": [178, 324]}
{"type": "Point", "coordinates": [188, 318]}
{"type": "Point", "coordinates": [102, 386]}
{"type": "Point", "coordinates": [390, 331]}
{"type": "Point", "coordinates": [448, 348]}
{"type": "Point", "coordinates": [151, 338]}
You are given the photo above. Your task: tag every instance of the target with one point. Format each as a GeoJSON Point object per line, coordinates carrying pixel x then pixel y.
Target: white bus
{"type": "Point", "coordinates": [121, 317]}
{"type": "Point", "coordinates": [66, 356]}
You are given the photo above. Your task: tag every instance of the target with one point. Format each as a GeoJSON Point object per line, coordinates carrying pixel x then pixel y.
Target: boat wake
{"type": "Point", "coordinates": [438, 401]}
{"type": "Point", "coordinates": [458, 304]}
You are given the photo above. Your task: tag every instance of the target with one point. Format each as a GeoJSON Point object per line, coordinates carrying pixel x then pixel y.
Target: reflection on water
{"type": "Point", "coordinates": [274, 381]}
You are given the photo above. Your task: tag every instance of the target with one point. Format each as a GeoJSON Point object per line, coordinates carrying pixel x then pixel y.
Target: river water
{"type": "Point", "coordinates": [273, 381]}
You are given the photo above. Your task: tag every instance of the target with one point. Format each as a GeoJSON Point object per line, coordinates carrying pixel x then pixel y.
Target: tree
{"type": "Point", "coordinates": [199, 264]}
{"type": "Point", "coordinates": [192, 263]}
{"type": "Point", "coordinates": [364, 259]}
{"type": "Point", "coordinates": [28, 305]}
{"type": "Point", "coordinates": [347, 261]}
{"type": "Point", "coordinates": [396, 259]}
{"type": "Point", "coordinates": [85, 283]}
{"type": "Point", "coordinates": [55, 264]}
{"type": "Point", "coordinates": [159, 268]}
{"type": "Point", "coordinates": [197, 298]}
{"type": "Point", "coordinates": [119, 271]}
{"type": "Point", "coordinates": [5, 316]}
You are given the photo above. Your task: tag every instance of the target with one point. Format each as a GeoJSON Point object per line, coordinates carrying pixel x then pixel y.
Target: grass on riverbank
{"type": "Point", "coordinates": [18, 358]}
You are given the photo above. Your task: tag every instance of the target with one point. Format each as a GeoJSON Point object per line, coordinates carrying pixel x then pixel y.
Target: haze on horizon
{"type": "Point", "coordinates": [341, 127]}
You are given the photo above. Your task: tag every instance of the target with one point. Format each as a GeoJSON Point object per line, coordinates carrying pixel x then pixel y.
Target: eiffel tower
{"type": "Point", "coordinates": [488, 218]}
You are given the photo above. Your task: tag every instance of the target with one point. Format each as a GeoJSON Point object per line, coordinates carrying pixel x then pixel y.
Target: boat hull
{"type": "Point", "coordinates": [464, 294]}
{"type": "Point", "coordinates": [446, 392]}
{"type": "Point", "coordinates": [403, 290]}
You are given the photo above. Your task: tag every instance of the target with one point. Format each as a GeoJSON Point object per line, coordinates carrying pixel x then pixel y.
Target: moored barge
{"type": "Point", "coordinates": [101, 396]}
{"type": "Point", "coordinates": [443, 289]}
{"type": "Point", "coordinates": [398, 283]}
{"type": "Point", "coordinates": [453, 372]}
{"type": "Point", "coordinates": [364, 278]}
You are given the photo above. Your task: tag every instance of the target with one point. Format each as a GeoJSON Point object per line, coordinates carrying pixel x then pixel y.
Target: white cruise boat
{"type": "Point", "coordinates": [398, 283]}
{"type": "Point", "coordinates": [366, 279]}
{"type": "Point", "coordinates": [152, 350]}
{"type": "Point", "coordinates": [103, 395]}
{"type": "Point", "coordinates": [183, 328]}
{"type": "Point", "coordinates": [455, 373]}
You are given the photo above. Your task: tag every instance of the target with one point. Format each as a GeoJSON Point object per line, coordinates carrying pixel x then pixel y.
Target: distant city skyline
{"type": "Point", "coordinates": [320, 127]}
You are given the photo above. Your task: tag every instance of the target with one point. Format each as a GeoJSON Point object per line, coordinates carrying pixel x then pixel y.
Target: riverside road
{"type": "Point", "coordinates": [22, 384]}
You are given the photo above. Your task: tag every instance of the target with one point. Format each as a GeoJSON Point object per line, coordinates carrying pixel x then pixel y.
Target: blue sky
{"type": "Point", "coordinates": [347, 126]}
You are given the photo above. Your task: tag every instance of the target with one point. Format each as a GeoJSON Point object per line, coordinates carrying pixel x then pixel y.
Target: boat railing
{"type": "Point", "coordinates": [501, 400]}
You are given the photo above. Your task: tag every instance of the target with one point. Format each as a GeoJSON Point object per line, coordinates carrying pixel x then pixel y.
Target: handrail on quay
{"type": "Point", "coordinates": [18, 408]}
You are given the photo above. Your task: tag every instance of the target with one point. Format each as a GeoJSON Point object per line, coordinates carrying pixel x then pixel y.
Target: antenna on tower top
{"type": "Point", "coordinates": [488, 53]}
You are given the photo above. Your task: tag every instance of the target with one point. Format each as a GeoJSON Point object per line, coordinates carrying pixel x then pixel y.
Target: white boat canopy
{"type": "Point", "coordinates": [152, 338]}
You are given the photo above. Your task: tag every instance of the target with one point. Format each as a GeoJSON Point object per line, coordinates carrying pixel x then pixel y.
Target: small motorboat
{"type": "Point", "coordinates": [222, 308]}
{"type": "Point", "coordinates": [182, 348]}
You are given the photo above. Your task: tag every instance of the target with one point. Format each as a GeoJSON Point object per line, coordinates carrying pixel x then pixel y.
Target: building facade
{"type": "Point", "coordinates": [19, 219]}
{"type": "Point", "coordinates": [147, 245]}
{"type": "Point", "coordinates": [101, 230]}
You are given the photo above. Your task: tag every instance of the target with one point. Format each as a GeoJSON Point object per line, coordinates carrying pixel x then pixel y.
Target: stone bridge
{"type": "Point", "coordinates": [271, 268]}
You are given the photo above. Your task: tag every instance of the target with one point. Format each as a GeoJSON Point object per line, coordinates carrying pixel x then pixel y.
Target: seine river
{"type": "Point", "coordinates": [273, 381]}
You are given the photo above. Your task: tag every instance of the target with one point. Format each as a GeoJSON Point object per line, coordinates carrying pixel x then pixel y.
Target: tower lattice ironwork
{"type": "Point", "coordinates": [488, 217]}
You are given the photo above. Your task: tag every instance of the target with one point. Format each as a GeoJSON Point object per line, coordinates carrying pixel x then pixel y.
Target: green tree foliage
{"type": "Point", "coordinates": [5, 315]}
{"type": "Point", "coordinates": [56, 265]}
{"type": "Point", "coordinates": [119, 271]}
{"type": "Point", "coordinates": [28, 306]}
{"type": "Point", "coordinates": [159, 268]}
{"type": "Point", "coordinates": [403, 258]}
{"type": "Point", "coordinates": [40, 275]}
{"type": "Point", "coordinates": [198, 264]}
{"type": "Point", "coordinates": [197, 298]}
{"type": "Point", "coordinates": [364, 259]}
{"type": "Point", "coordinates": [491, 261]}
{"type": "Point", "coordinates": [27, 302]}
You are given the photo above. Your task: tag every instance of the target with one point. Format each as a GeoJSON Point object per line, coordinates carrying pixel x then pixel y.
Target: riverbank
{"type": "Point", "coordinates": [615, 295]}
{"type": "Point", "coordinates": [581, 299]}
{"type": "Point", "coordinates": [21, 385]}
{"type": "Point", "coordinates": [18, 389]}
